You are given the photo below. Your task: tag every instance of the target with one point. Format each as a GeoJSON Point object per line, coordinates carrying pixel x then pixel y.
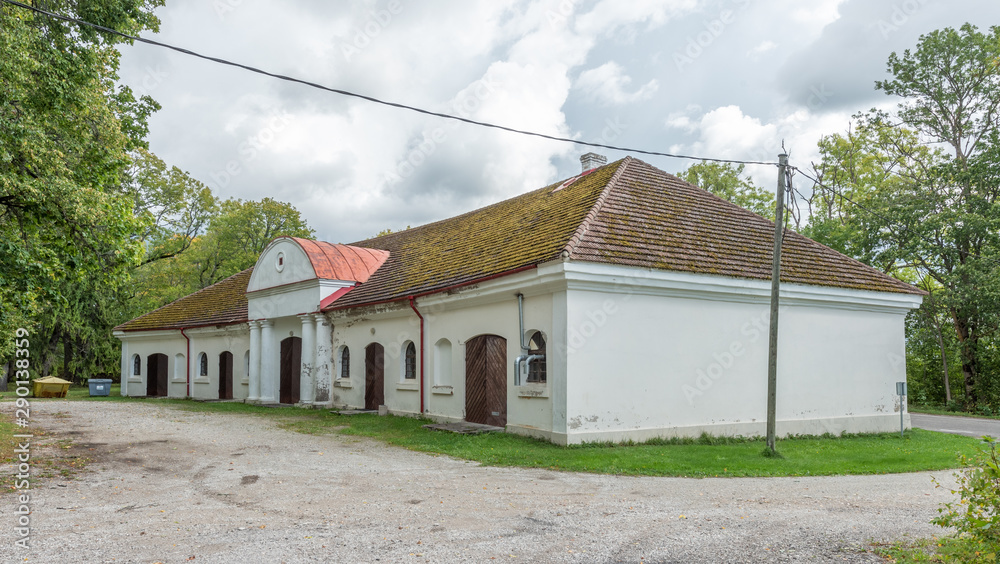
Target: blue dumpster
{"type": "Point", "coordinates": [99, 386]}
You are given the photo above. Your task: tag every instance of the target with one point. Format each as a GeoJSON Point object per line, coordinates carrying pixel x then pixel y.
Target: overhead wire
{"type": "Point", "coordinates": [370, 98]}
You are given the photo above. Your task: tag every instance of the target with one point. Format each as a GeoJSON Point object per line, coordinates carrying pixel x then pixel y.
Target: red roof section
{"type": "Point", "coordinates": [342, 262]}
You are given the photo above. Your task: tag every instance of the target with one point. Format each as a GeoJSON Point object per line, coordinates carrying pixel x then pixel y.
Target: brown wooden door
{"type": "Point", "coordinates": [226, 375]}
{"type": "Point", "coordinates": [374, 376]}
{"type": "Point", "coordinates": [486, 380]}
{"type": "Point", "coordinates": [291, 369]}
{"type": "Point", "coordinates": [156, 375]}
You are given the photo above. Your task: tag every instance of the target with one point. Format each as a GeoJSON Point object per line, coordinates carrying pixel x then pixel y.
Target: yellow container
{"type": "Point", "coordinates": [50, 387]}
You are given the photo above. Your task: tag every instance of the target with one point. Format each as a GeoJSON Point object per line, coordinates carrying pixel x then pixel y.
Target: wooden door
{"type": "Point", "coordinates": [156, 375]}
{"type": "Point", "coordinates": [374, 376]}
{"type": "Point", "coordinates": [486, 380]}
{"type": "Point", "coordinates": [226, 375]}
{"type": "Point", "coordinates": [291, 370]}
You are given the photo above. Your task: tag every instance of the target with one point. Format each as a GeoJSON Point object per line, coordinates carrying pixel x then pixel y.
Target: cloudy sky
{"type": "Point", "coordinates": [716, 78]}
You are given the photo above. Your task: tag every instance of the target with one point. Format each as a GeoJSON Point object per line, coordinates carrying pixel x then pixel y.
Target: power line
{"type": "Point", "coordinates": [369, 98]}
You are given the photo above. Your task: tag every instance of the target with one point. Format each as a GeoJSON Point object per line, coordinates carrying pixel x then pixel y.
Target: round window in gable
{"type": "Point", "coordinates": [279, 262]}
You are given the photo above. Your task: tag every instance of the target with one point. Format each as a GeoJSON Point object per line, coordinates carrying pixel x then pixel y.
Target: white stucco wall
{"type": "Point", "coordinates": [486, 309]}
{"type": "Point", "coordinates": [678, 355]}
{"type": "Point", "coordinates": [211, 341]}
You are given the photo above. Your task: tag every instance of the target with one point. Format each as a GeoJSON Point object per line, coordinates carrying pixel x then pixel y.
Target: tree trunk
{"type": "Point", "coordinates": [968, 343]}
{"type": "Point", "coordinates": [8, 371]}
{"type": "Point", "coordinates": [68, 357]}
{"type": "Point", "coordinates": [944, 361]}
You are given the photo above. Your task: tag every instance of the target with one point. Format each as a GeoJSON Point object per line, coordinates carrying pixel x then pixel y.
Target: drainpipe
{"type": "Point", "coordinates": [188, 359]}
{"type": "Point", "coordinates": [526, 357]}
{"type": "Point", "coordinates": [413, 306]}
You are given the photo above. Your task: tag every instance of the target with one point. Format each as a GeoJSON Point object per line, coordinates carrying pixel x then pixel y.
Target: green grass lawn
{"type": "Point", "coordinates": [803, 456]}
{"type": "Point", "coordinates": [944, 549]}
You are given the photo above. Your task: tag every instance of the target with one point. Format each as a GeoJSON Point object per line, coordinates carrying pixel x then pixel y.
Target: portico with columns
{"type": "Point", "coordinates": [291, 352]}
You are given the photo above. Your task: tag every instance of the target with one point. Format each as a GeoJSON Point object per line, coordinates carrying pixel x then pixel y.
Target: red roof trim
{"type": "Point", "coordinates": [333, 297]}
{"type": "Point", "coordinates": [431, 292]}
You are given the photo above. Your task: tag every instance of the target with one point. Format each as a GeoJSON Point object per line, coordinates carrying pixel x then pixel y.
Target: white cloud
{"type": "Point", "coordinates": [607, 83]}
{"type": "Point", "coordinates": [761, 48]}
{"type": "Point", "coordinates": [554, 66]}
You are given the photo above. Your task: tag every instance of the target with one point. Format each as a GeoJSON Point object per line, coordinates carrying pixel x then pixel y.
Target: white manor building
{"type": "Point", "coordinates": [619, 304]}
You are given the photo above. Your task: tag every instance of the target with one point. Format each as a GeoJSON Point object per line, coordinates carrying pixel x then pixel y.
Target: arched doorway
{"type": "Point", "coordinates": [291, 369]}
{"type": "Point", "coordinates": [486, 380]}
{"type": "Point", "coordinates": [156, 375]}
{"type": "Point", "coordinates": [226, 375]}
{"type": "Point", "coordinates": [374, 376]}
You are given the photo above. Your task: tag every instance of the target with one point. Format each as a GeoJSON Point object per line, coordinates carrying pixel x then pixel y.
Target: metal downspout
{"type": "Point", "coordinates": [526, 357]}
{"type": "Point", "coordinates": [413, 306]}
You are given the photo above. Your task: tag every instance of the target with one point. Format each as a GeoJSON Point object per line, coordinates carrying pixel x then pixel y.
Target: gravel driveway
{"type": "Point", "coordinates": [173, 486]}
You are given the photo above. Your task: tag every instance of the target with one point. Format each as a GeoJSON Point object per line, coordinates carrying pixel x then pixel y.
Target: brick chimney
{"type": "Point", "coordinates": [592, 160]}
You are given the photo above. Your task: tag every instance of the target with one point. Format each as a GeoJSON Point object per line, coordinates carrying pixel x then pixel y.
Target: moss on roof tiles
{"type": "Point", "coordinates": [627, 213]}
{"type": "Point", "coordinates": [655, 220]}
{"type": "Point", "coordinates": [222, 303]}
{"type": "Point", "coordinates": [522, 231]}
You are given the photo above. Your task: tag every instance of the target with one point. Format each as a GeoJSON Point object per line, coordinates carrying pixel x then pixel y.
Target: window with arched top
{"type": "Point", "coordinates": [410, 361]}
{"type": "Point", "coordinates": [203, 364]}
{"type": "Point", "coordinates": [345, 363]}
{"type": "Point", "coordinates": [136, 365]}
{"type": "Point", "coordinates": [536, 345]}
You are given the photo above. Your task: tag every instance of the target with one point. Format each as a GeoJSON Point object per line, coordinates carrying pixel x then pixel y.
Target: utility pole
{"type": "Point", "coordinates": [772, 354]}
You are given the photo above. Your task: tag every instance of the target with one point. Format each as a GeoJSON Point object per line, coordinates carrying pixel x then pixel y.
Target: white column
{"type": "Point", "coordinates": [254, 375]}
{"type": "Point", "coordinates": [268, 363]}
{"type": "Point", "coordinates": [324, 360]}
{"type": "Point", "coordinates": [307, 389]}
{"type": "Point", "coordinates": [126, 368]}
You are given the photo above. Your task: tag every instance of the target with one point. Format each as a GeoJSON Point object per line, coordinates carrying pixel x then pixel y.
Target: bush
{"type": "Point", "coordinates": [977, 513]}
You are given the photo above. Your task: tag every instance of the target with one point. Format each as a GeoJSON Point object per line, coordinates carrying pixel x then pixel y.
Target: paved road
{"type": "Point", "coordinates": [969, 426]}
{"type": "Point", "coordinates": [171, 486]}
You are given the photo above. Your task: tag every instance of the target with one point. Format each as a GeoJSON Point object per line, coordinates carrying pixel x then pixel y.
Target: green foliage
{"type": "Point", "coordinates": [977, 513]}
{"type": "Point", "coordinates": [65, 131]}
{"type": "Point", "coordinates": [234, 239]}
{"type": "Point", "coordinates": [727, 181]}
{"type": "Point", "coordinates": [918, 196]}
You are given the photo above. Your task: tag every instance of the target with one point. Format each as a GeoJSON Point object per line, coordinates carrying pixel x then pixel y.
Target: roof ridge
{"type": "Point", "coordinates": [581, 229]}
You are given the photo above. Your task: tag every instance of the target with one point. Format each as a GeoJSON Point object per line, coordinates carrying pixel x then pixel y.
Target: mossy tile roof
{"type": "Point", "coordinates": [523, 231]}
{"type": "Point", "coordinates": [652, 219]}
{"type": "Point", "coordinates": [223, 303]}
{"type": "Point", "coordinates": [627, 213]}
